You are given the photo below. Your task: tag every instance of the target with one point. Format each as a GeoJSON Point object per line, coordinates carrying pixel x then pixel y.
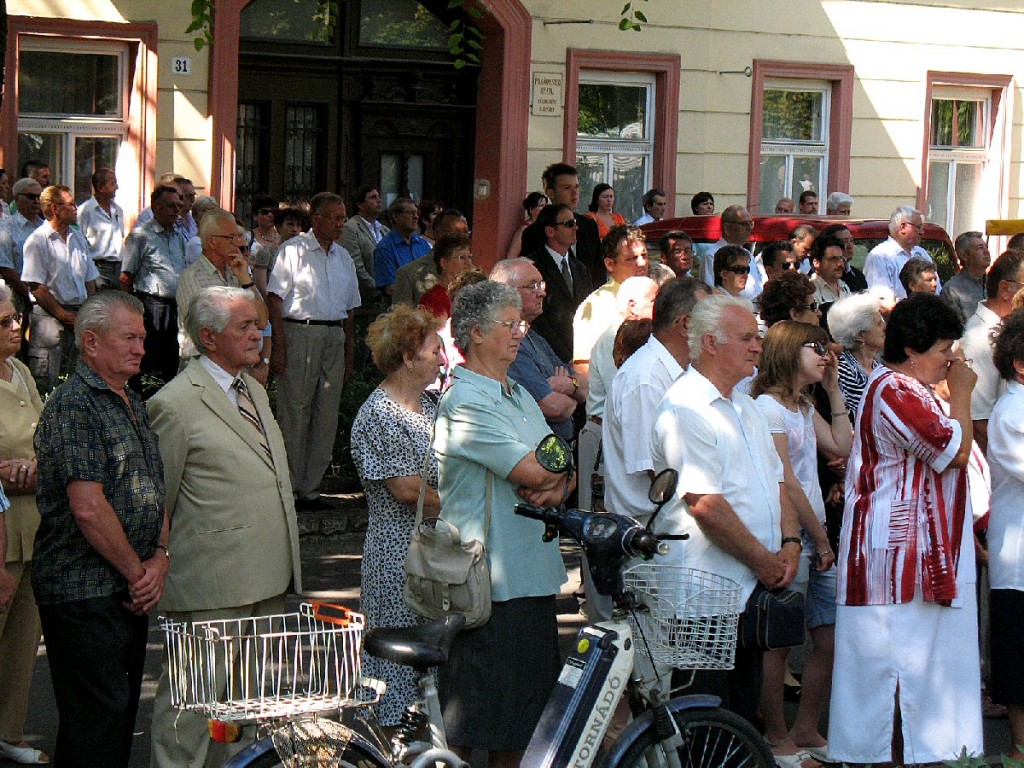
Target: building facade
{"type": "Point", "coordinates": [892, 102]}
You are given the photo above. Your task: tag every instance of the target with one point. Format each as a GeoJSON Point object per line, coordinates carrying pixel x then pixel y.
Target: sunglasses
{"type": "Point", "coordinates": [10, 320]}
{"type": "Point", "coordinates": [820, 349]}
{"type": "Point", "coordinates": [28, 195]}
{"type": "Point", "coordinates": [738, 269]}
{"type": "Point", "coordinates": [264, 211]}
{"type": "Point", "coordinates": [570, 224]}
{"type": "Point", "coordinates": [813, 306]}
{"type": "Point", "coordinates": [789, 265]}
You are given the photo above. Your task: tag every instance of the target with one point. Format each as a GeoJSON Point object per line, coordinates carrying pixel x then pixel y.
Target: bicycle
{"type": "Point", "coordinates": [686, 621]}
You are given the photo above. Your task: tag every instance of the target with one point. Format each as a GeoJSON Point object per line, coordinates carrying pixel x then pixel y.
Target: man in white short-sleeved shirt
{"type": "Point", "coordinates": [884, 262]}
{"type": "Point", "coordinates": [730, 498]}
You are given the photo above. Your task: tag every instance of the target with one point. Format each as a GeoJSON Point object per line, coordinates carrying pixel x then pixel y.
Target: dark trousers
{"type": "Point", "coordinates": [96, 651]}
{"type": "Point", "coordinates": [161, 359]}
{"type": "Point", "coordinates": [739, 688]}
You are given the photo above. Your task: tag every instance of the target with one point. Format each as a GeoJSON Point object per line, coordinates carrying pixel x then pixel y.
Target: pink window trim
{"type": "Point", "coordinates": [665, 69]}
{"type": "Point", "coordinates": [840, 124]}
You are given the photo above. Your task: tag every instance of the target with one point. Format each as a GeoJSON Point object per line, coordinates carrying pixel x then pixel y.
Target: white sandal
{"type": "Point", "coordinates": [22, 755]}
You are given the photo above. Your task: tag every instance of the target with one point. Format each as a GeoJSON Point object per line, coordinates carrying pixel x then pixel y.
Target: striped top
{"type": "Point", "coordinates": [905, 508]}
{"type": "Point", "coordinates": [852, 380]}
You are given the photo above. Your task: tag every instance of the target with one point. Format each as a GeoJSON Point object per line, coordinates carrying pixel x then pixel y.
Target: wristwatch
{"type": "Point", "coordinates": [265, 360]}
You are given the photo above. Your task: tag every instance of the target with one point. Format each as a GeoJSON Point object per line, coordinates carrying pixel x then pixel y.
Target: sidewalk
{"type": "Point", "coordinates": [331, 552]}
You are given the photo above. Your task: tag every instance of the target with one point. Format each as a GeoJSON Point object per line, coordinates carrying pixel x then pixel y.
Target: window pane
{"type": "Point", "coordinates": [92, 152]}
{"type": "Point", "coordinates": [968, 182]}
{"type": "Point", "coordinates": [414, 176]}
{"type": "Point", "coordinates": [612, 111]}
{"type": "Point", "coordinates": [286, 20]}
{"type": "Point", "coordinates": [47, 147]}
{"type": "Point", "coordinates": [793, 115]}
{"type": "Point", "coordinates": [401, 23]}
{"type": "Point", "coordinates": [629, 179]}
{"type": "Point", "coordinates": [807, 175]}
{"type": "Point", "coordinates": [390, 177]}
{"type": "Point", "coordinates": [252, 135]}
{"type": "Point", "coordinates": [773, 181]}
{"type": "Point", "coordinates": [88, 84]}
{"type": "Point", "coordinates": [938, 191]}
{"type": "Point", "coordinates": [303, 156]}
{"type": "Point", "coordinates": [591, 169]}
{"type": "Point", "coordinates": [957, 123]}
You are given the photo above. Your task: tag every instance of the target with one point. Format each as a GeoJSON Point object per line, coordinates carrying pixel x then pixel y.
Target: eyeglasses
{"type": "Point", "coordinates": [29, 195]}
{"type": "Point", "coordinates": [788, 265]}
{"type": "Point", "coordinates": [813, 306]}
{"type": "Point", "coordinates": [570, 224]}
{"type": "Point", "coordinates": [264, 211]}
{"type": "Point", "coordinates": [514, 325]}
{"type": "Point", "coordinates": [10, 320]}
{"type": "Point", "coordinates": [231, 237]}
{"type": "Point", "coordinates": [539, 285]}
{"type": "Point", "coordinates": [738, 269]}
{"type": "Point", "coordinates": [820, 349]}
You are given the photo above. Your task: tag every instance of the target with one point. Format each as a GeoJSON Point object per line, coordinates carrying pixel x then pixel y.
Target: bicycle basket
{"type": "Point", "coordinates": [266, 667]}
{"type": "Point", "coordinates": [687, 617]}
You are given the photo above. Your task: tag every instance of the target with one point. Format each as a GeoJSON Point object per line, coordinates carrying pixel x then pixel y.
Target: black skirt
{"type": "Point", "coordinates": [1006, 617]}
{"type": "Point", "coordinates": [498, 677]}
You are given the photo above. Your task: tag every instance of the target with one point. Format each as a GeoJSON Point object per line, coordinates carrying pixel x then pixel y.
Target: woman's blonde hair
{"type": "Point", "coordinates": [399, 333]}
{"type": "Point", "coordinates": [780, 358]}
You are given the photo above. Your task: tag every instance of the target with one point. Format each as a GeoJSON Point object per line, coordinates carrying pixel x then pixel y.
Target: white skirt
{"type": "Point", "coordinates": [931, 652]}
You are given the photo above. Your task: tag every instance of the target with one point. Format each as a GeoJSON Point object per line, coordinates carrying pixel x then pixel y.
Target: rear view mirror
{"type": "Point", "coordinates": [663, 486]}
{"type": "Point", "coordinates": [554, 454]}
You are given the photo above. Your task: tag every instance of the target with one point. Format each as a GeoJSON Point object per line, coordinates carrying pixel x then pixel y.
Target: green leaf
{"type": "Point", "coordinates": [454, 39]}
{"type": "Point", "coordinates": [475, 12]}
{"type": "Point", "coordinates": [475, 32]}
{"type": "Point", "coordinates": [640, 16]}
{"type": "Point", "coordinates": [454, 25]}
{"type": "Point", "coordinates": [473, 58]}
{"type": "Point", "coordinates": [625, 9]}
{"type": "Point", "coordinates": [199, 43]}
{"type": "Point", "coordinates": [459, 63]}
{"type": "Point", "coordinates": [455, 4]}
{"type": "Point", "coordinates": [625, 24]}
{"type": "Point", "coordinates": [474, 45]}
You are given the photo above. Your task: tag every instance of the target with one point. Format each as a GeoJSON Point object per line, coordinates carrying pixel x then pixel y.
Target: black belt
{"type": "Point", "coordinates": [328, 323]}
{"type": "Point", "coordinates": [154, 297]}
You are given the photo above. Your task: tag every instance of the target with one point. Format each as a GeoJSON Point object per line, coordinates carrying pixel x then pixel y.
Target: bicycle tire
{"type": "Point", "coordinates": [355, 756]}
{"type": "Point", "coordinates": [712, 738]}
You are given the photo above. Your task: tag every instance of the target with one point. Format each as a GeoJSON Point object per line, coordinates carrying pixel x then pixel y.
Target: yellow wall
{"type": "Point", "coordinates": [877, 38]}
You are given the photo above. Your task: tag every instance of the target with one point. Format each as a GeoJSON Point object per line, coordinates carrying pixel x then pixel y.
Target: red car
{"type": "Point", "coordinates": [867, 233]}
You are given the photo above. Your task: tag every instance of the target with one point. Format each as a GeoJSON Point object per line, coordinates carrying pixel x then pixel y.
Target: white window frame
{"type": "Point", "coordinates": [957, 155]}
{"type": "Point", "coordinates": [70, 126]}
{"type": "Point", "coordinates": [791, 149]}
{"type": "Point", "coordinates": [609, 147]}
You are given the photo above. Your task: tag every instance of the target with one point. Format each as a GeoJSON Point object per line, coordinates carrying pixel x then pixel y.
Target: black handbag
{"type": "Point", "coordinates": [773, 618]}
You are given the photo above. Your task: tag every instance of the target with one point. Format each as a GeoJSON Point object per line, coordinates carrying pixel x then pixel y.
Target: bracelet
{"type": "Point", "coordinates": [792, 540]}
{"type": "Point", "coordinates": [247, 286]}
{"type": "Point", "coordinates": [165, 549]}
{"type": "Point", "coordinates": [841, 413]}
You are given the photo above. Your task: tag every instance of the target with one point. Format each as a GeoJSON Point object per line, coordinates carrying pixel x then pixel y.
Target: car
{"type": "Point", "coordinates": [867, 233]}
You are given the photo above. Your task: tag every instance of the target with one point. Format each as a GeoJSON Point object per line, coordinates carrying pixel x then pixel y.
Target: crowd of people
{"type": "Point", "coordinates": [850, 435]}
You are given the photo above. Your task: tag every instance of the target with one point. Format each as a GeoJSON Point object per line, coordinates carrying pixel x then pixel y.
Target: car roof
{"type": "Point", "coordinates": [771, 227]}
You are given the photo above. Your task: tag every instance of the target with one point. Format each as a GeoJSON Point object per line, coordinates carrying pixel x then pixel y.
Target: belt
{"type": "Point", "coordinates": [329, 323]}
{"type": "Point", "coordinates": [154, 297]}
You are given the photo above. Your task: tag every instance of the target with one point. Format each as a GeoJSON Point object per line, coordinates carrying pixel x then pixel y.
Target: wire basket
{"type": "Point", "coordinates": [267, 667]}
{"type": "Point", "coordinates": [687, 617]}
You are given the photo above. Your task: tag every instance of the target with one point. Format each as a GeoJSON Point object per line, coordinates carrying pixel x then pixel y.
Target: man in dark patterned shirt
{"type": "Point", "coordinates": [101, 549]}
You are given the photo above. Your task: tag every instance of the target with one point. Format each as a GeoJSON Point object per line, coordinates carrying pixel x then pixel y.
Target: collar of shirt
{"type": "Point", "coordinates": [557, 257]}
{"type": "Point", "coordinates": [374, 227]}
{"type": "Point", "coordinates": [986, 315]}
{"type": "Point", "coordinates": [485, 383]}
{"type": "Point", "coordinates": [223, 379]}
{"type": "Point", "coordinates": [702, 388]}
{"type": "Point", "coordinates": [19, 220]}
{"type": "Point", "coordinates": [671, 364]}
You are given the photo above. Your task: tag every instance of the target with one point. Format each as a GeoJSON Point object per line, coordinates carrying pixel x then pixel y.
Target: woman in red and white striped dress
{"type": "Point", "coordinates": [906, 646]}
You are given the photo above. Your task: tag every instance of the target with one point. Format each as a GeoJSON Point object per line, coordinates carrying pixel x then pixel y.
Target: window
{"type": "Point", "coordinates": [615, 137]}
{"type": "Point", "coordinates": [957, 154]}
{"type": "Point", "coordinates": [304, 145]}
{"type": "Point", "coordinates": [801, 115]}
{"type": "Point", "coordinates": [300, 21]}
{"type": "Point", "coordinates": [77, 121]}
{"type": "Point", "coordinates": [252, 139]}
{"type": "Point", "coordinates": [794, 141]}
{"type": "Point", "coordinates": [401, 23]}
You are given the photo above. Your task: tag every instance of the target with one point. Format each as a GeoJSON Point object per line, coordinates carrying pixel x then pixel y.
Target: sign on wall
{"type": "Point", "coordinates": [547, 93]}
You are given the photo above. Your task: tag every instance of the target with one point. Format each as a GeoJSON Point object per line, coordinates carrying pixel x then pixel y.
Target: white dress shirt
{"type": "Point", "coordinates": [977, 347]}
{"type": "Point", "coordinates": [885, 261]}
{"type": "Point", "coordinates": [314, 284]}
{"type": "Point", "coordinates": [63, 267]}
{"type": "Point", "coordinates": [104, 231]}
{"type": "Point", "coordinates": [1006, 511]}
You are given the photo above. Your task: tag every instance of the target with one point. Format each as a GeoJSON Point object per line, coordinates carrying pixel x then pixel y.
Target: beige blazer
{"type": "Point", "coordinates": [234, 538]}
{"type": "Point", "coordinates": [357, 239]}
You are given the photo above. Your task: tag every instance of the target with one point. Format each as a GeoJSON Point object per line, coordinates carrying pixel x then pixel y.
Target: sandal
{"type": "Point", "coordinates": [23, 754]}
{"type": "Point", "coordinates": [797, 760]}
{"type": "Point", "coordinates": [818, 753]}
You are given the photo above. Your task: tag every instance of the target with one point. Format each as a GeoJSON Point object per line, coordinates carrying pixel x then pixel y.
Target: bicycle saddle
{"type": "Point", "coordinates": [417, 647]}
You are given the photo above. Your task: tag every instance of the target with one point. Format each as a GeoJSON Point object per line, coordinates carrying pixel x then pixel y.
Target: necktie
{"type": "Point", "coordinates": [247, 409]}
{"type": "Point", "coordinates": [566, 274]}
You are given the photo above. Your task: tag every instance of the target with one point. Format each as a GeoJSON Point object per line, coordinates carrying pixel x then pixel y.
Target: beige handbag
{"type": "Point", "coordinates": [443, 573]}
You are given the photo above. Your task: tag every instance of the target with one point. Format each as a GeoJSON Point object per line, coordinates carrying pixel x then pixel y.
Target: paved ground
{"type": "Point", "coordinates": [330, 571]}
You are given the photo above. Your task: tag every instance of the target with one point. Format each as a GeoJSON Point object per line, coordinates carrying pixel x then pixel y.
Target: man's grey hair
{"type": "Point", "coordinates": [22, 184]}
{"type": "Point", "coordinates": [963, 241]}
{"type": "Point", "coordinates": [97, 312]}
{"type": "Point", "coordinates": [852, 316]}
{"type": "Point", "coordinates": [5, 292]}
{"type": "Point", "coordinates": [835, 199]}
{"type": "Point", "coordinates": [650, 194]}
{"type": "Point", "coordinates": [476, 305]}
{"type": "Point", "coordinates": [212, 309]}
{"type": "Point", "coordinates": [901, 215]}
{"type": "Point", "coordinates": [634, 289]}
{"type": "Point", "coordinates": [203, 205]}
{"type": "Point", "coordinates": [210, 220]}
{"type": "Point", "coordinates": [506, 271]}
{"type": "Point", "coordinates": [706, 318]}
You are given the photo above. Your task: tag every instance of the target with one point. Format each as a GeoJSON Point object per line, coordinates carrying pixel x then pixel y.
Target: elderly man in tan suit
{"type": "Point", "coordinates": [234, 544]}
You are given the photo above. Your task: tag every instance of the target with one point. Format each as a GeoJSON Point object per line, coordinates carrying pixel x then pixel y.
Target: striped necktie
{"type": "Point", "coordinates": [247, 409]}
